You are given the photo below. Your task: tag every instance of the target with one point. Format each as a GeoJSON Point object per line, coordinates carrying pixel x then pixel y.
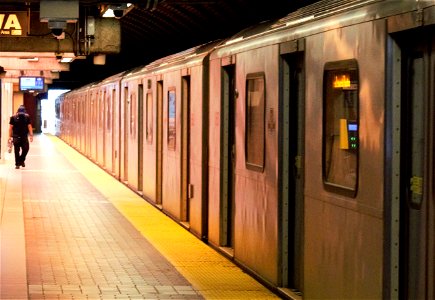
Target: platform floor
{"type": "Point", "coordinates": [69, 230]}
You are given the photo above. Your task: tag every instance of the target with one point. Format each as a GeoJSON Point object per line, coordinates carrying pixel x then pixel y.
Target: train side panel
{"type": "Point", "coordinates": [150, 138]}
{"type": "Point", "coordinates": [344, 235]}
{"type": "Point", "coordinates": [131, 133]}
{"type": "Point", "coordinates": [171, 156]}
{"type": "Point", "coordinates": [214, 156]}
{"type": "Point", "coordinates": [110, 93]}
{"type": "Point", "coordinates": [193, 209]}
{"type": "Point", "coordinates": [100, 128]}
{"type": "Point", "coordinates": [116, 98]}
{"type": "Point", "coordinates": [82, 122]}
{"type": "Point", "coordinates": [254, 181]}
{"type": "Point", "coordinates": [256, 197]}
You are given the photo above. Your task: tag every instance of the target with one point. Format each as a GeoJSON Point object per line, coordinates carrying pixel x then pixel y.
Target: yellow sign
{"type": "Point", "coordinates": [13, 24]}
{"type": "Point", "coordinates": [341, 81]}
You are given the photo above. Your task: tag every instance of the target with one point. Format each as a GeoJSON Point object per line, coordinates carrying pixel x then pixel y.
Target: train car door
{"type": "Point", "coordinates": [115, 131]}
{"type": "Point", "coordinates": [100, 128]}
{"type": "Point", "coordinates": [125, 133]}
{"type": "Point", "coordinates": [227, 151]}
{"type": "Point", "coordinates": [89, 113]}
{"type": "Point", "coordinates": [159, 144]}
{"type": "Point", "coordinates": [291, 167]}
{"type": "Point", "coordinates": [413, 131]}
{"type": "Point", "coordinates": [417, 199]}
{"type": "Point", "coordinates": [105, 129]}
{"type": "Point", "coordinates": [185, 149]}
{"type": "Point", "coordinates": [140, 139]}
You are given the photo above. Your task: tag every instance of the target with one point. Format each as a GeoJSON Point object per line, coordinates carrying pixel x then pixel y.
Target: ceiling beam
{"type": "Point", "coordinates": [32, 63]}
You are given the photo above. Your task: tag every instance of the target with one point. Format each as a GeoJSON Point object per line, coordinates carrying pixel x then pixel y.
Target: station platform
{"type": "Point", "coordinates": [69, 230]}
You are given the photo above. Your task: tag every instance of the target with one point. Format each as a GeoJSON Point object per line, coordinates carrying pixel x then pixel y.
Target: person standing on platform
{"type": "Point", "coordinates": [20, 128]}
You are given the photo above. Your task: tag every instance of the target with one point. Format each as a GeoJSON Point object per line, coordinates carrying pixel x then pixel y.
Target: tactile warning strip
{"type": "Point", "coordinates": [214, 276]}
{"type": "Point", "coordinates": [79, 246]}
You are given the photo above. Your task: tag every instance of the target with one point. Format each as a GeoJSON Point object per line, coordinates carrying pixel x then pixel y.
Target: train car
{"type": "Point", "coordinates": [315, 117]}
{"type": "Point", "coordinates": [91, 122]}
{"type": "Point", "coordinates": [103, 130]}
{"type": "Point", "coordinates": [302, 148]}
{"type": "Point", "coordinates": [164, 117]}
{"type": "Point", "coordinates": [73, 118]}
{"type": "Point", "coordinates": [110, 90]}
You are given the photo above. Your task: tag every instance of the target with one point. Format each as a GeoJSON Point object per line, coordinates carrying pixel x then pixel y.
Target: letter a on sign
{"type": "Point", "coordinates": [12, 22]}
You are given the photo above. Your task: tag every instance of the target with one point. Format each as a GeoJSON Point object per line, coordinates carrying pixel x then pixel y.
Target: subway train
{"type": "Point", "coordinates": [301, 148]}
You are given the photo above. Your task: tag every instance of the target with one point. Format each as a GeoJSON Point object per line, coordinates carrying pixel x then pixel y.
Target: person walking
{"type": "Point", "coordinates": [20, 128]}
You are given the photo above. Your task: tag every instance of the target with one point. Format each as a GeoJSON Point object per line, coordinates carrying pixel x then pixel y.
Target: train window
{"type": "Point", "coordinates": [133, 112]}
{"type": "Point", "coordinates": [108, 104]}
{"type": "Point", "coordinates": [100, 111]}
{"type": "Point", "coordinates": [254, 122]}
{"type": "Point", "coordinates": [149, 117]}
{"type": "Point", "coordinates": [340, 127]}
{"type": "Point", "coordinates": [171, 119]}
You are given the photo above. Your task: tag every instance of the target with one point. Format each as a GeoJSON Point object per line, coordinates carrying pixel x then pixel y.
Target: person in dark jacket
{"type": "Point", "coordinates": [20, 128]}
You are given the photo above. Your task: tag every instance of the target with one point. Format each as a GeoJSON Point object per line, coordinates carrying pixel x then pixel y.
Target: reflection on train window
{"type": "Point", "coordinates": [149, 118]}
{"type": "Point", "coordinates": [171, 119]}
{"type": "Point", "coordinates": [100, 111]}
{"type": "Point", "coordinates": [133, 111]}
{"type": "Point", "coordinates": [340, 127]}
{"type": "Point", "coordinates": [92, 110]}
{"type": "Point", "coordinates": [110, 101]}
{"type": "Point", "coordinates": [108, 111]}
{"type": "Point", "coordinates": [254, 123]}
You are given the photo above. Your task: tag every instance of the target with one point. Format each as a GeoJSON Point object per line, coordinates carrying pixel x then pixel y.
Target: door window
{"type": "Point", "coordinates": [340, 126]}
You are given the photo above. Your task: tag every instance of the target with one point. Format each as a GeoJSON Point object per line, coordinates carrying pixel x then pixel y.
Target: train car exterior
{"type": "Point", "coordinates": [90, 122]}
{"type": "Point", "coordinates": [299, 139]}
{"type": "Point", "coordinates": [70, 115]}
{"type": "Point", "coordinates": [301, 148]}
{"type": "Point", "coordinates": [164, 123]}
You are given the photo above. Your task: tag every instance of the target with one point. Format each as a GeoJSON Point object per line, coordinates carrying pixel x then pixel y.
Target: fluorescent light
{"type": "Point", "coordinates": [66, 60]}
{"type": "Point", "coordinates": [30, 58]}
{"type": "Point", "coordinates": [109, 13]}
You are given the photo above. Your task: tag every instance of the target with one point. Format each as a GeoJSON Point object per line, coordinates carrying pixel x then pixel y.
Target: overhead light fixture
{"type": "Point", "coordinates": [109, 13]}
{"type": "Point", "coordinates": [30, 58]}
{"type": "Point", "coordinates": [66, 59]}
{"type": "Point", "coordinates": [116, 11]}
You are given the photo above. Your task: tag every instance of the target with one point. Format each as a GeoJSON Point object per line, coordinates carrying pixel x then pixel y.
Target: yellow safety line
{"type": "Point", "coordinates": [213, 275]}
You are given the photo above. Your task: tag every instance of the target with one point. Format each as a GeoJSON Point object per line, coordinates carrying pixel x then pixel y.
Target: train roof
{"type": "Point", "coordinates": [315, 18]}
{"type": "Point", "coordinates": [185, 58]}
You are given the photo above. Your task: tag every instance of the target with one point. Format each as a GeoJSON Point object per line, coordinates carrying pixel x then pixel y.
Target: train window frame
{"type": "Point", "coordinates": [254, 145]}
{"type": "Point", "coordinates": [172, 125]}
{"type": "Point", "coordinates": [341, 82]}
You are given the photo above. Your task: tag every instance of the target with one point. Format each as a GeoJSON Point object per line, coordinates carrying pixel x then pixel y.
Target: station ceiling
{"type": "Point", "coordinates": [155, 28]}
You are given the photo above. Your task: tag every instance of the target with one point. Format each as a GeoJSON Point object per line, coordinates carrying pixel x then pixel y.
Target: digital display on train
{"type": "Point", "coordinates": [352, 127]}
{"type": "Point", "coordinates": [341, 81]}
